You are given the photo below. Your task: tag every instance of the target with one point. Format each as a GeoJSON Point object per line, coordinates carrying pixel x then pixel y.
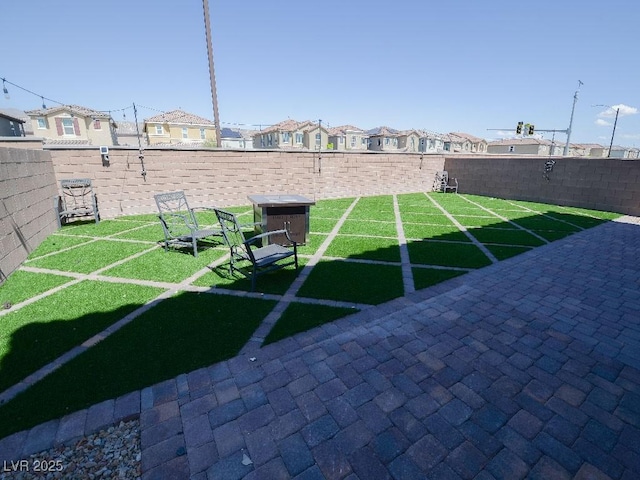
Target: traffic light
{"type": "Point", "coordinates": [531, 129]}
{"type": "Point", "coordinates": [519, 128]}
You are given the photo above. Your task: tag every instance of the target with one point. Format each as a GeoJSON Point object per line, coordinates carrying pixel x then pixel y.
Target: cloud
{"type": "Point", "coordinates": [603, 123]}
{"type": "Point", "coordinates": [623, 110]}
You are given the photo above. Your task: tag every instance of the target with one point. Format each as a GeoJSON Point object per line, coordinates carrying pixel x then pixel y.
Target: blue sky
{"type": "Point", "coordinates": [456, 65]}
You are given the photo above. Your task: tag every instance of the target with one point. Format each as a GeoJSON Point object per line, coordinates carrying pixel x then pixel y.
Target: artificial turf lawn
{"type": "Point", "coordinates": [368, 248]}
{"type": "Point", "coordinates": [55, 243]}
{"type": "Point", "coordinates": [427, 277]}
{"type": "Point", "coordinates": [89, 257]}
{"type": "Point", "coordinates": [179, 335]}
{"type": "Point", "coordinates": [447, 254]}
{"type": "Point", "coordinates": [505, 237]}
{"type": "Point", "coordinates": [38, 333]}
{"type": "Point", "coordinates": [300, 317]}
{"type": "Point", "coordinates": [23, 285]}
{"type": "Point", "coordinates": [353, 282]}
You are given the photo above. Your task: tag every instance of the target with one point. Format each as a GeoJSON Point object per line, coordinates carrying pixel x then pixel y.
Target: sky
{"type": "Point", "coordinates": [469, 66]}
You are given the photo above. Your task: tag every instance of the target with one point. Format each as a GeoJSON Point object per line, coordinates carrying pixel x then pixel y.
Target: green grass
{"type": "Point", "coordinates": [502, 252]}
{"type": "Point", "coordinates": [506, 237]}
{"type": "Point", "coordinates": [300, 317]}
{"type": "Point", "coordinates": [102, 229]}
{"type": "Point", "coordinates": [38, 333]}
{"type": "Point", "coordinates": [447, 254]}
{"type": "Point", "coordinates": [427, 277]}
{"type": "Point", "coordinates": [434, 232]}
{"type": "Point", "coordinates": [353, 282]}
{"type": "Point", "coordinates": [493, 222]}
{"type": "Point", "coordinates": [172, 266]}
{"type": "Point", "coordinates": [90, 257]}
{"type": "Point", "coordinates": [183, 333]}
{"type": "Point", "coordinates": [23, 285]}
{"type": "Point", "coordinates": [367, 248]}
{"type": "Point", "coordinates": [55, 243]}
{"type": "Point", "coordinates": [363, 227]}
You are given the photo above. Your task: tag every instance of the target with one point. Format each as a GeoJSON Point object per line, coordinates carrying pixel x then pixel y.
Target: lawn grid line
{"type": "Point", "coordinates": [504, 219]}
{"type": "Point", "coordinates": [361, 260]}
{"type": "Point", "coordinates": [557, 219]}
{"type": "Point", "coordinates": [407, 273]}
{"type": "Point", "coordinates": [31, 300]}
{"type": "Point", "coordinates": [464, 230]}
{"type": "Point", "coordinates": [91, 240]}
{"type": "Point", "coordinates": [289, 296]}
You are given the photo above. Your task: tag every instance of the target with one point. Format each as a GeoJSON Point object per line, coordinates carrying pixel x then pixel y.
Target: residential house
{"type": "Point", "coordinates": [409, 141]}
{"type": "Point", "coordinates": [464, 143]}
{"type": "Point", "coordinates": [11, 126]}
{"type": "Point", "coordinates": [383, 139]}
{"type": "Point", "coordinates": [348, 137]}
{"type": "Point", "coordinates": [130, 134]}
{"type": "Point", "coordinates": [179, 128]}
{"type": "Point", "coordinates": [73, 125]}
{"type": "Point", "coordinates": [521, 146]}
{"type": "Point", "coordinates": [430, 142]}
{"type": "Point", "coordinates": [292, 135]}
{"type": "Point", "coordinates": [236, 138]}
{"type": "Point", "coordinates": [587, 150]}
{"type": "Point", "coordinates": [623, 152]}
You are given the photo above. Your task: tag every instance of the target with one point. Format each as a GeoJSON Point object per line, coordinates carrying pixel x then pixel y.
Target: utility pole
{"type": "Point", "coordinates": [575, 100]}
{"type": "Point", "coordinates": [212, 72]}
{"type": "Point", "coordinates": [615, 122]}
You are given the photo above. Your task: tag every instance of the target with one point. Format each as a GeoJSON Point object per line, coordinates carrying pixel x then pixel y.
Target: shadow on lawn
{"type": "Point", "coordinates": [178, 335]}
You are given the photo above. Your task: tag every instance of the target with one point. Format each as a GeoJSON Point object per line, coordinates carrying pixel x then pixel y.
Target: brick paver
{"type": "Point", "coordinates": [528, 368]}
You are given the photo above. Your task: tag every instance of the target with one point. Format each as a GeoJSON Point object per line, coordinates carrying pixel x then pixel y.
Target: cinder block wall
{"type": "Point", "coordinates": [27, 189]}
{"type": "Point", "coordinates": [596, 183]}
{"type": "Point", "coordinates": [224, 178]}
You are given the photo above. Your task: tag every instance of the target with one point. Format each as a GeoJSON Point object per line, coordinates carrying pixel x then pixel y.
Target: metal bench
{"type": "Point", "coordinates": [76, 199]}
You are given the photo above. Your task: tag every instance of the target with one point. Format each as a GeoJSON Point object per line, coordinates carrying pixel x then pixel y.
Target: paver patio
{"type": "Point", "coordinates": [527, 368]}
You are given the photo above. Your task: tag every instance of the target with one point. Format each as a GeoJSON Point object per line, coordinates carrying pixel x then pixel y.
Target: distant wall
{"type": "Point", "coordinates": [226, 177]}
{"type": "Point", "coordinates": [597, 183]}
{"type": "Point", "coordinates": [27, 188]}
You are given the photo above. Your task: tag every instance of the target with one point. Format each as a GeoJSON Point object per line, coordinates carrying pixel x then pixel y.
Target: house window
{"type": "Point", "coordinates": [262, 141]}
{"type": "Point", "coordinates": [353, 141]}
{"type": "Point", "coordinates": [269, 140]}
{"type": "Point", "coordinates": [67, 126]}
{"type": "Point", "coordinates": [413, 143]}
{"type": "Point", "coordinates": [298, 138]}
{"type": "Point", "coordinates": [159, 130]}
{"type": "Point", "coordinates": [185, 132]}
{"type": "Point", "coordinates": [42, 123]}
{"type": "Point", "coordinates": [386, 140]}
{"type": "Point", "coordinates": [96, 124]}
{"type": "Point", "coordinates": [341, 139]}
{"type": "Point", "coordinates": [364, 141]}
{"type": "Point", "coordinates": [318, 138]}
{"type": "Point", "coordinates": [202, 134]}
{"type": "Point", "coordinates": [286, 137]}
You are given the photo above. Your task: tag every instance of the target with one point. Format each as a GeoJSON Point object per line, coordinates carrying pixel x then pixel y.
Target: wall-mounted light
{"type": "Point", "coordinates": [104, 153]}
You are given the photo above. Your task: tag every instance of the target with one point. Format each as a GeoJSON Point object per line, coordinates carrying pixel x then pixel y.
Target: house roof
{"type": "Point", "coordinates": [392, 132]}
{"type": "Point", "coordinates": [78, 110]}
{"type": "Point", "coordinates": [343, 129]}
{"type": "Point", "coordinates": [179, 117]}
{"type": "Point", "coordinates": [13, 119]}
{"type": "Point", "coordinates": [229, 133]}
{"type": "Point", "coordinates": [288, 125]}
{"type": "Point", "coordinates": [129, 128]}
{"type": "Point", "coordinates": [466, 136]}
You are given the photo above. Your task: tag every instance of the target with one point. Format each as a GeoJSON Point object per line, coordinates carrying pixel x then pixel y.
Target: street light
{"type": "Point", "coordinates": [615, 122]}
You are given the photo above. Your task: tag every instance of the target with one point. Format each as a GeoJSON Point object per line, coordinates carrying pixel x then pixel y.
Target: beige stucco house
{"type": "Point", "coordinates": [430, 142]}
{"type": "Point", "coordinates": [11, 126]}
{"type": "Point", "coordinates": [73, 125]}
{"type": "Point", "coordinates": [348, 137]}
{"type": "Point", "coordinates": [409, 141]}
{"type": "Point", "coordinates": [464, 143]}
{"type": "Point", "coordinates": [383, 139]}
{"type": "Point", "coordinates": [292, 135]}
{"type": "Point", "coordinates": [179, 128]}
{"type": "Point", "coordinates": [520, 146]}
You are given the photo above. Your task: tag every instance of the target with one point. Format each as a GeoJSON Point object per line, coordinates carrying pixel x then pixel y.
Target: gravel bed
{"type": "Point", "coordinates": [109, 454]}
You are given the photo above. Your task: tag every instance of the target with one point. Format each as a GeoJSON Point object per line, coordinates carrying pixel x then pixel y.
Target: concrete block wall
{"type": "Point", "coordinates": [27, 189]}
{"type": "Point", "coordinates": [596, 183]}
{"type": "Point", "coordinates": [224, 178]}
